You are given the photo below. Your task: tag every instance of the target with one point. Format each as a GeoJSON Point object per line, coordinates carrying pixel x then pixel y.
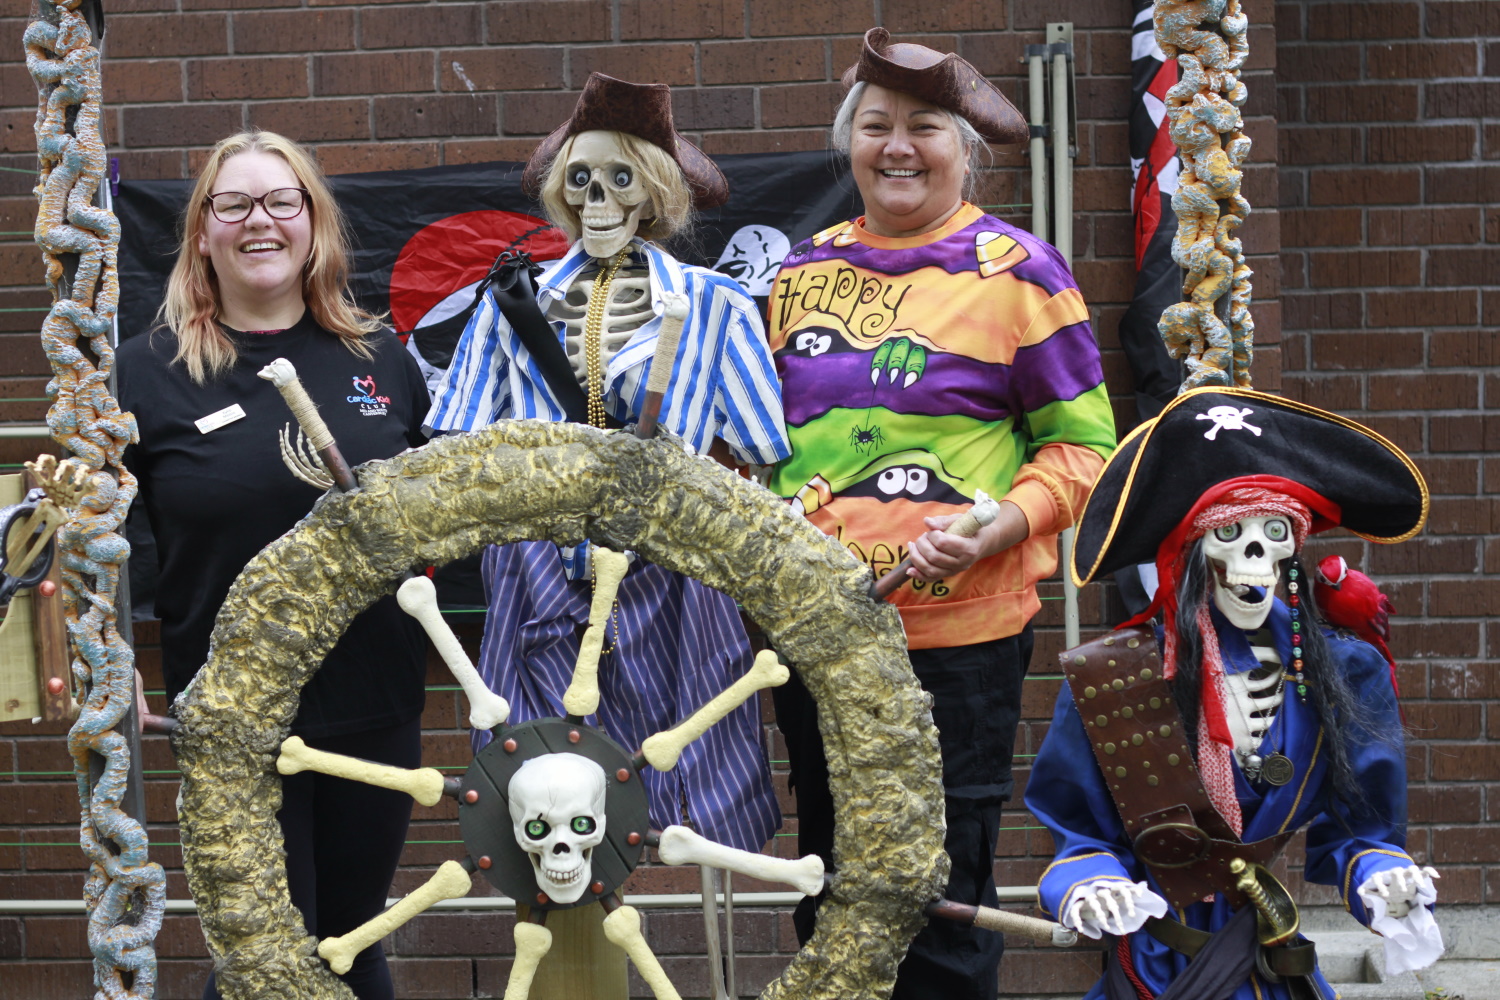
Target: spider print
{"type": "Point", "coordinates": [866, 438]}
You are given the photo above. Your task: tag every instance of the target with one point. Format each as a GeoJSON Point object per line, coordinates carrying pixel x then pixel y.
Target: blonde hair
{"type": "Point", "coordinates": [659, 174]}
{"type": "Point", "coordinates": [191, 306]}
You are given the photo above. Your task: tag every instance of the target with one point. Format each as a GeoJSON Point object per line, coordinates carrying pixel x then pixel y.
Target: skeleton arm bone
{"type": "Point", "coordinates": [533, 941]}
{"type": "Point", "coordinates": [1398, 901]}
{"type": "Point", "coordinates": [582, 696]}
{"type": "Point", "coordinates": [450, 881]}
{"type": "Point", "coordinates": [424, 784]}
{"type": "Point", "coordinates": [623, 929]}
{"type": "Point", "coordinates": [680, 846]}
{"type": "Point", "coordinates": [662, 750]}
{"type": "Point", "coordinates": [1107, 906]}
{"type": "Point", "coordinates": [418, 598]}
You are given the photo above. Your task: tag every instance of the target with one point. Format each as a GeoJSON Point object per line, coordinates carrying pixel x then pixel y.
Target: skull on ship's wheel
{"type": "Point", "coordinates": [527, 480]}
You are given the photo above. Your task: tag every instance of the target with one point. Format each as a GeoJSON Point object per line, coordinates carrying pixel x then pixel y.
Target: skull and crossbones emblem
{"type": "Point", "coordinates": [1228, 418]}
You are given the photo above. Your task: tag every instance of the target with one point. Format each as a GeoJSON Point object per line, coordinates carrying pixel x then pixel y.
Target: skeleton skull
{"type": "Point", "coordinates": [603, 181]}
{"type": "Point", "coordinates": [1244, 555]}
{"type": "Point", "coordinates": [557, 811]}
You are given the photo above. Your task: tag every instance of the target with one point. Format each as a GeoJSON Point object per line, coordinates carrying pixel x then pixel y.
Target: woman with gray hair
{"type": "Point", "coordinates": [931, 354]}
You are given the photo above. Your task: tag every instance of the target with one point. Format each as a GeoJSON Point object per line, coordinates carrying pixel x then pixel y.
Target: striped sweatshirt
{"type": "Point", "coordinates": [918, 371]}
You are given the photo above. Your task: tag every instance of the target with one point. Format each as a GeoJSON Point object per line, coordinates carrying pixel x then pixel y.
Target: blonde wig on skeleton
{"type": "Point", "coordinates": [670, 196]}
{"type": "Point", "coordinates": [191, 306]}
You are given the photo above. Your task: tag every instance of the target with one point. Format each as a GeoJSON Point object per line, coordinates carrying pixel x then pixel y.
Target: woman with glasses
{"type": "Point", "coordinates": [260, 275]}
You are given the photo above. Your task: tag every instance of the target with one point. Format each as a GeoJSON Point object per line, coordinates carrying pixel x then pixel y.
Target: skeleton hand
{"type": "Point", "coordinates": [1107, 906]}
{"type": "Point", "coordinates": [1398, 900]}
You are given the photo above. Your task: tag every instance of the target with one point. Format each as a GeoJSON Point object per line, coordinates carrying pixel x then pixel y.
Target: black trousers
{"type": "Point", "coordinates": [976, 694]}
{"type": "Point", "coordinates": [343, 841]}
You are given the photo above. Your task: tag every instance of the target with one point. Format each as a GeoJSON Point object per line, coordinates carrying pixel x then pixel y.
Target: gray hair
{"type": "Point", "coordinates": [976, 150]}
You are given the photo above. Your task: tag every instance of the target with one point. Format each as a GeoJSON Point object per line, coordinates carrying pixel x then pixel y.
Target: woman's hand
{"type": "Point", "coordinates": [937, 554]}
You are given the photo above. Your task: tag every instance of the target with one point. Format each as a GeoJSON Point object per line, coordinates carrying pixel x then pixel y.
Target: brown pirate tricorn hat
{"type": "Point", "coordinates": [643, 110]}
{"type": "Point", "coordinates": [944, 79]}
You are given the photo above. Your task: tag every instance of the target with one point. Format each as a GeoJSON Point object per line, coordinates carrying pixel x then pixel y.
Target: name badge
{"type": "Point", "coordinates": [214, 421]}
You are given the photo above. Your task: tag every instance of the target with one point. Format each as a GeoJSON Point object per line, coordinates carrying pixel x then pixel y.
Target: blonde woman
{"type": "Point", "coordinates": [260, 275]}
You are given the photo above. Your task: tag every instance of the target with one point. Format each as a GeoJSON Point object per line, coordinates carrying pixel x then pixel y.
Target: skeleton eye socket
{"type": "Point", "coordinates": [536, 829]}
{"type": "Point", "coordinates": [1276, 530]}
{"type": "Point", "coordinates": [622, 177]}
{"type": "Point", "coordinates": [583, 824]}
{"type": "Point", "coordinates": [579, 177]}
{"type": "Point", "coordinates": [1228, 532]}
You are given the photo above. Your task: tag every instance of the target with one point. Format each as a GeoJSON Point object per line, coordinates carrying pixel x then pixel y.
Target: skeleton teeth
{"type": "Point", "coordinates": [1249, 580]}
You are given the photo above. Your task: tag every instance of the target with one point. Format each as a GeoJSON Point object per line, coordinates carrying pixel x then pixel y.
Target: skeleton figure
{"type": "Point", "coordinates": [557, 809]}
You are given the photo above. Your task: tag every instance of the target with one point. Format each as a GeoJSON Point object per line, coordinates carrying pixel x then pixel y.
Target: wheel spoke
{"type": "Point", "coordinates": [533, 941]}
{"type": "Point", "coordinates": [678, 845]}
{"type": "Point", "coordinates": [450, 881]}
{"type": "Point", "coordinates": [623, 929]}
{"type": "Point", "coordinates": [418, 598]}
{"type": "Point", "coordinates": [582, 697]}
{"type": "Point", "coordinates": [424, 784]}
{"type": "Point", "coordinates": [662, 750]}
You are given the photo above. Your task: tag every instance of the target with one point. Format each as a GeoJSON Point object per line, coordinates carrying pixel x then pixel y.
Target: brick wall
{"type": "Point", "coordinates": [1390, 175]}
{"type": "Point", "coordinates": [1373, 241]}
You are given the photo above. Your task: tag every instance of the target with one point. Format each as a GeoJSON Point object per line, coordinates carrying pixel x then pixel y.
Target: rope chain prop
{"type": "Point", "coordinates": [125, 892]}
{"type": "Point", "coordinates": [1211, 329]}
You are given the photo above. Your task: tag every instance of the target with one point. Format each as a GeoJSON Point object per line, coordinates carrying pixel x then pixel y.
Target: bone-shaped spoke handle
{"type": "Point", "coordinates": [623, 929]}
{"type": "Point", "coordinates": [984, 511]}
{"type": "Point", "coordinates": [450, 881]}
{"type": "Point", "coordinates": [662, 750]}
{"type": "Point", "coordinates": [283, 375]}
{"type": "Point", "coordinates": [418, 598]}
{"type": "Point", "coordinates": [681, 846]}
{"type": "Point", "coordinates": [424, 784]}
{"type": "Point", "coordinates": [1004, 922]}
{"type": "Point", "coordinates": [582, 697]}
{"type": "Point", "coordinates": [675, 311]}
{"type": "Point", "coordinates": [533, 941]}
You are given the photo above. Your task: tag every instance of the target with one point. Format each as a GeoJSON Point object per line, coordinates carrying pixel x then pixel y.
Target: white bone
{"type": "Point", "coordinates": [681, 846]}
{"type": "Point", "coordinates": [662, 750]}
{"type": "Point", "coordinates": [279, 373]}
{"type": "Point", "coordinates": [424, 784]}
{"type": "Point", "coordinates": [628, 309]}
{"type": "Point", "coordinates": [450, 881]}
{"type": "Point", "coordinates": [418, 598]}
{"type": "Point", "coordinates": [623, 929]}
{"type": "Point", "coordinates": [533, 941]}
{"type": "Point", "coordinates": [983, 511]}
{"type": "Point", "coordinates": [582, 696]}
{"type": "Point", "coordinates": [608, 213]}
{"type": "Point", "coordinates": [283, 375]}
{"type": "Point", "coordinates": [1107, 906]}
{"type": "Point", "coordinates": [301, 461]}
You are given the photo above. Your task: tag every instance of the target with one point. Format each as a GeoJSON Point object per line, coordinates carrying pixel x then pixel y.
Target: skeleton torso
{"type": "Point", "coordinates": [627, 310]}
{"type": "Point", "coordinates": [1256, 696]}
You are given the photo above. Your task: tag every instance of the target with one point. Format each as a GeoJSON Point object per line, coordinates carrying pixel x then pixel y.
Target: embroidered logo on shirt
{"type": "Point", "coordinates": [370, 405]}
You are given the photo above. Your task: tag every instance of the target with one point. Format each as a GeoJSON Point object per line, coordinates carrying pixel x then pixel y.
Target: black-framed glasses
{"type": "Point", "coordinates": [236, 206]}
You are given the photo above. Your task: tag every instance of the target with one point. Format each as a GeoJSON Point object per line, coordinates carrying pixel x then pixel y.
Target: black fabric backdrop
{"type": "Point", "coordinates": [436, 231]}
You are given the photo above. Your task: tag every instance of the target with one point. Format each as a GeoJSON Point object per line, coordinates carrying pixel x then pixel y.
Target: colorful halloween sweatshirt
{"type": "Point", "coordinates": [917, 371]}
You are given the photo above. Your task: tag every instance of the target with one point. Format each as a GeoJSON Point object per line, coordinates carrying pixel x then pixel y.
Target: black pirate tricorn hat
{"type": "Point", "coordinates": [1210, 440]}
{"type": "Point", "coordinates": [643, 110]}
{"type": "Point", "coordinates": [941, 78]}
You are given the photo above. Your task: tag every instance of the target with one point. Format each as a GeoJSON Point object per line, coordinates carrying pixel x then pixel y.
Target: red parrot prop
{"type": "Point", "coordinates": [1351, 600]}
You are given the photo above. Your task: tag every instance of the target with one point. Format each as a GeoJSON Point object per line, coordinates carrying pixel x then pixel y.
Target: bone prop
{"type": "Point", "coordinates": [662, 750]}
{"type": "Point", "coordinates": [582, 697]}
{"type": "Point", "coordinates": [662, 360]}
{"type": "Point", "coordinates": [681, 846]}
{"type": "Point", "coordinates": [303, 462]}
{"type": "Point", "coordinates": [983, 512]}
{"type": "Point", "coordinates": [623, 929]}
{"type": "Point", "coordinates": [1000, 921]}
{"type": "Point", "coordinates": [533, 941]}
{"type": "Point", "coordinates": [283, 375]}
{"type": "Point", "coordinates": [450, 881]}
{"type": "Point", "coordinates": [418, 598]}
{"type": "Point", "coordinates": [424, 784]}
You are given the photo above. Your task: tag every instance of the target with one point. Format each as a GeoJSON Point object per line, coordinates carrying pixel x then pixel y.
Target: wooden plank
{"type": "Point", "coordinates": [582, 962]}
{"type": "Point", "coordinates": [18, 689]}
{"type": "Point", "coordinates": [49, 628]}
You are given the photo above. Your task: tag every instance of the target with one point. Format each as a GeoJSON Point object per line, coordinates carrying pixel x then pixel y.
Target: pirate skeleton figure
{"type": "Point", "coordinates": [1183, 756]}
{"type": "Point", "coordinates": [580, 344]}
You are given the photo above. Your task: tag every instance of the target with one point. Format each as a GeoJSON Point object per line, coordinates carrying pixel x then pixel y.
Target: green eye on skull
{"type": "Point", "coordinates": [583, 824]}
{"type": "Point", "coordinates": [1228, 532]}
{"type": "Point", "coordinates": [536, 829]}
{"type": "Point", "coordinates": [1276, 530]}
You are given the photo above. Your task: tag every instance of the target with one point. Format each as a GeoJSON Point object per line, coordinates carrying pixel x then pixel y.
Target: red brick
{"type": "Point", "coordinates": [1449, 475]}
{"type": "Point", "coordinates": [778, 61]}
{"type": "Point", "coordinates": [228, 4]}
{"type": "Point", "coordinates": [1469, 266]}
{"type": "Point", "coordinates": [670, 63]}
{"type": "Point", "coordinates": [1340, 393]}
{"type": "Point", "coordinates": [1464, 348]}
{"type": "Point", "coordinates": [1469, 99]}
{"type": "Point", "coordinates": [1445, 720]}
{"type": "Point", "coordinates": [1463, 516]}
{"type": "Point", "coordinates": [1318, 145]}
{"type": "Point", "coordinates": [1463, 19]}
{"type": "Point", "coordinates": [315, 121]}
{"type": "Point", "coordinates": [142, 80]}
{"type": "Point", "coordinates": [1343, 21]}
{"type": "Point", "coordinates": [1420, 143]}
{"type": "Point", "coordinates": [152, 165]}
{"type": "Point", "coordinates": [1320, 63]}
{"type": "Point", "coordinates": [364, 73]}
{"type": "Point", "coordinates": [25, 980]}
{"type": "Point", "coordinates": [1421, 61]}
{"type": "Point", "coordinates": [1366, 350]}
{"type": "Point", "coordinates": [1372, 102]}
{"type": "Point", "coordinates": [1424, 391]}
{"type": "Point", "coordinates": [777, 141]}
{"type": "Point", "coordinates": [233, 78]}
{"type": "Point", "coordinates": [1464, 432]}
{"type": "Point", "coordinates": [1417, 640]}
{"type": "Point", "coordinates": [1480, 184]}
{"type": "Point", "coordinates": [294, 31]}
{"type": "Point", "coordinates": [1364, 268]}
{"type": "Point", "coordinates": [513, 22]}
{"type": "Point", "coordinates": [167, 35]}
{"type": "Point", "coordinates": [1423, 308]}
{"type": "Point", "coordinates": [1443, 803]}
{"type": "Point", "coordinates": [803, 104]}
{"type": "Point", "coordinates": [797, 17]}
{"type": "Point", "coordinates": [918, 15]}
{"type": "Point", "coordinates": [537, 114]}
{"type": "Point", "coordinates": [1459, 844]}
{"type": "Point", "coordinates": [1423, 226]}
{"type": "Point", "coordinates": [1322, 312]}
{"type": "Point", "coordinates": [695, 19]}
{"type": "Point", "coordinates": [467, 70]}
{"type": "Point", "coordinates": [436, 978]}
{"type": "Point", "coordinates": [1364, 186]}
{"type": "Point", "coordinates": [427, 26]}
{"type": "Point", "coordinates": [369, 156]}
{"type": "Point", "coordinates": [181, 124]}
{"type": "Point", "coordinates": [440, 713]}
{"type": "Point", "coordinates": [1321, 227]}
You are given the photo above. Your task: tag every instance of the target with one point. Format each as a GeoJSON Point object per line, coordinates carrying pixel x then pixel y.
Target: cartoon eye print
{"type": "Point", "coordinates": [911, 479]}
{"type": "Point", "coordinates": [813, 342]}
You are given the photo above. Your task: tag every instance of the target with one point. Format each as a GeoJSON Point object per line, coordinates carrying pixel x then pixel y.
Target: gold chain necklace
{"type": "Point", "coordinates": [593, 330]}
